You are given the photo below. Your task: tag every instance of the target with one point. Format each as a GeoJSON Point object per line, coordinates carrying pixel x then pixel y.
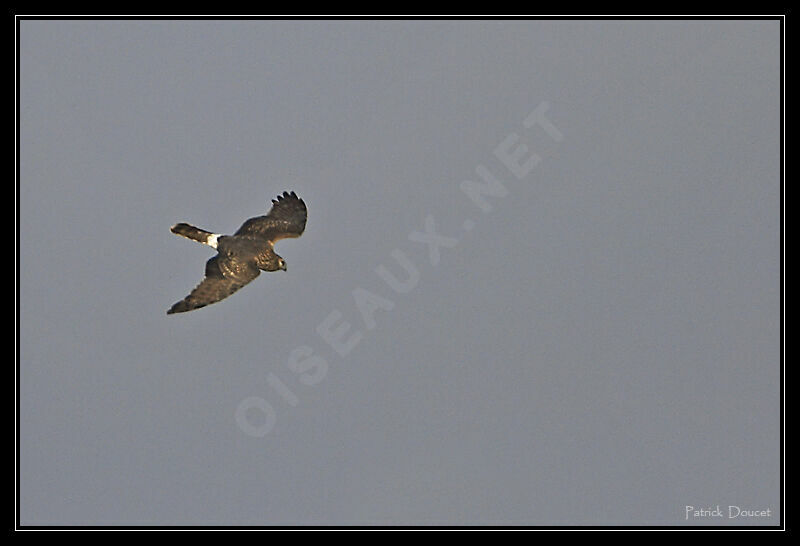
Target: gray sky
{"type": "Point", "coordinates": [601, 347]}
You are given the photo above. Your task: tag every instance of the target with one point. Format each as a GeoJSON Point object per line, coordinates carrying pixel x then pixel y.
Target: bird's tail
{"type": "Point", "coordinates": [196, 234]}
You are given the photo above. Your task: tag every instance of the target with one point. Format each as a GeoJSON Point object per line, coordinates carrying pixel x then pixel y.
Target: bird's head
{"type": "Point", "coordinates": [281, 263]}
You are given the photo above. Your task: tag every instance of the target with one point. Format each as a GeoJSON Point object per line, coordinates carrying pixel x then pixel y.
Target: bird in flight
{"type": "Point", "coordinates": [242, 256]}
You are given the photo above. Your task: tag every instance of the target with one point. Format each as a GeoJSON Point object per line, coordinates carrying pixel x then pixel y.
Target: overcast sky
{"type": "Point", "coordinates": [539, 284]}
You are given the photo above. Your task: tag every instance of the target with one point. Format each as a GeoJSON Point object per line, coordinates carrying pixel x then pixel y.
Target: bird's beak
{"type": "Point", "coordinates": [284, 267]}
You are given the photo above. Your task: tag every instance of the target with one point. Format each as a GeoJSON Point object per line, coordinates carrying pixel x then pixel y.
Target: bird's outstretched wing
{"type": "Point", "coordinates": [224, 276]}
{"type": "Point", "coordinates": [287, 218]}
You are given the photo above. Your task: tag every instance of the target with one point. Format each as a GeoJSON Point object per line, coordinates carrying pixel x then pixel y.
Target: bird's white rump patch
{"type": "Point", "coordinates": [212, 240]}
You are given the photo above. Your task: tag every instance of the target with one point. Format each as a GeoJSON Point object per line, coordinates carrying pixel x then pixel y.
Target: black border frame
{"type": "Point", "coordinates": [17, 21]}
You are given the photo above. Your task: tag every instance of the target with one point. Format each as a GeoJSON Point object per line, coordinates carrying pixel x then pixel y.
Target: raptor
{"type": "Point", "coordinates": [242, 256]}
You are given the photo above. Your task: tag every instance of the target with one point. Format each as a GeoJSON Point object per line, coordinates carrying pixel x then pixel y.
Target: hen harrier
{"type": "Point", "coordinates": [242, 255]}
